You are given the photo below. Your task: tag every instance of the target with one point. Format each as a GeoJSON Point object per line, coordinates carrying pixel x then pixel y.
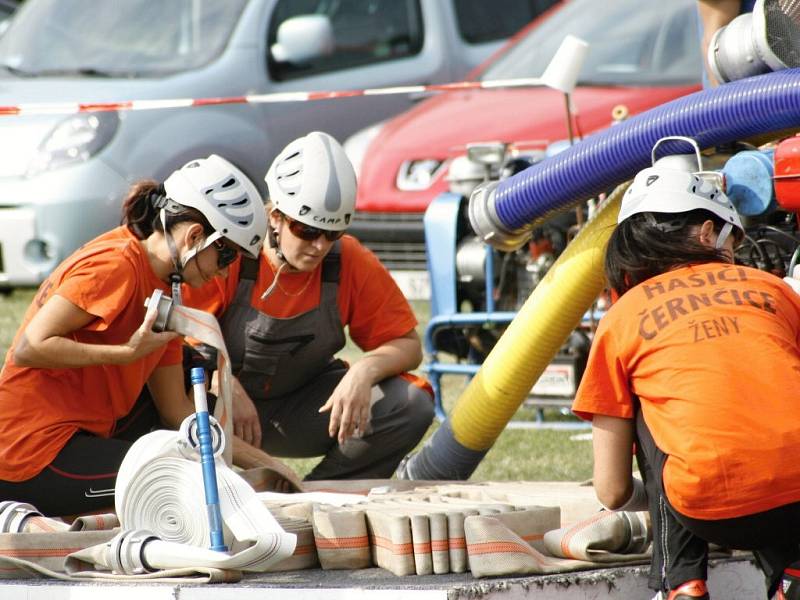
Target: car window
{"type": "Point", "coordinates": [127, 37]}
{"type": "Point", "coordinates": [365, 32]}
{"type": "Point", "coordinates": [481, 21]}
{"type": "Point", "coordinates": [631, 42]}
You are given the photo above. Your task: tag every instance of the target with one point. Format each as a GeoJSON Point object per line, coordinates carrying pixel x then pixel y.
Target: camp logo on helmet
{"type": "Point", "coordinates": [326, 220]}
{"type": "Point", "coordinates": [651, 180]}
{"type": "Point", "coordinates": [304, 210]}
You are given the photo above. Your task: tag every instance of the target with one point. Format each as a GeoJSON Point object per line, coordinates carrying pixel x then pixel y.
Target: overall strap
{"type": "Point", "coordinates": [249, 268]}
{"type": "Point", "coordinates": [332, 263]}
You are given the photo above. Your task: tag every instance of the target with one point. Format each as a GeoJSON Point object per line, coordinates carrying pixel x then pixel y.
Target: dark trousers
{"type": "Point", "coordinates": [82, 476]}
{"type": "Point", "coordinates": [293, 427]}
{"type": "Point", "coordinates": [680, 543]}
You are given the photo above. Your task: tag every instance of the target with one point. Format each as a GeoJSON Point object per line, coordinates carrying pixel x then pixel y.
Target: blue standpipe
{"type": "Point", "coordinates": [198, 378]}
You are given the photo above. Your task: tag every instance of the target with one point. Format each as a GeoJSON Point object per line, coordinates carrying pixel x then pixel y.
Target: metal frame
{"type": "Point", "coordinates": [441, 235]}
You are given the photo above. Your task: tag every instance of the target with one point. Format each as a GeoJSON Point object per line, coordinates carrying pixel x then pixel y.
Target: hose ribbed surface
{"type": "Point", "coordinates": [731, 112]}
{"type": "Point", "coordinates": [553, 310]}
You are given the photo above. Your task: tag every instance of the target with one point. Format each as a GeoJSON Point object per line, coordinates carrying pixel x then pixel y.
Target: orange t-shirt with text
{"type": "Point", "coordinates": [370, 303]}
{"type": "Point", "coordinates": [40, 409]}
{"type": "Point", "coordinates": [711, 352]}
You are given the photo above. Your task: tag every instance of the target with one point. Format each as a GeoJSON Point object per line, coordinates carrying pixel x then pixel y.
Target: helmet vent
{"type": "Point", "coordinates": [229, 183]}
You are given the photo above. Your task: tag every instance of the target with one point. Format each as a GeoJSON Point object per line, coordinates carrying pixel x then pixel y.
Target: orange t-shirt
{"type": "Point", "coordinates": [40, 409]}
{"type": "Point", "coordinates": [711, 351]}
{"type": "Point", "coordinates": [370, 303]}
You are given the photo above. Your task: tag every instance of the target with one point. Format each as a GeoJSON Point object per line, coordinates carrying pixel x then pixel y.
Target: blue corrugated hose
{"type": "Point", "coordinates": [731, 112]}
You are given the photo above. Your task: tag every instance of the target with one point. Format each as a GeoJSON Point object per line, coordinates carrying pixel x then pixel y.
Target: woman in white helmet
{"type": "Point", "coordinates": [697, 366]}
{"type": "Point", "coordinates": [86, 347]}
{"type": "Point", "coordinates": [284, 316]}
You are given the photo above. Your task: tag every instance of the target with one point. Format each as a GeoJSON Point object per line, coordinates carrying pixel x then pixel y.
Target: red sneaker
{"type": "Point", "coordinates": [694, 589]}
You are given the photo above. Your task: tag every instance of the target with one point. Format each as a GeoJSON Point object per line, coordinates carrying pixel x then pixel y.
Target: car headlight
{"type": "Point", "coordinates": [417, 175]}
{"type": "Point", "coordinates": [74, 140]}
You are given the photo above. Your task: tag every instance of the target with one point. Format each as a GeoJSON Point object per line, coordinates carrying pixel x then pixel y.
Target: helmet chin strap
{"type": "Point", "coordinates": [176, 277]}
{"type": "Point", "coordinates": [723, 235]}
{"type": "Point", "coordinates": [274, 243]}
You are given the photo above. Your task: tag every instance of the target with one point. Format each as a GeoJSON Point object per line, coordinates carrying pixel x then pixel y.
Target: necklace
{"type": "Point", "coordinates": [276, 281]}
{"type": "Point", "coordinates": [301, 290]}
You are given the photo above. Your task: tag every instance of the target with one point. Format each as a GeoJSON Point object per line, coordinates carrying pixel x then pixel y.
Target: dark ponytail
{"type": "Point", "coordinates": [140, 211]}
{"type": "Point", "coordinates": [638, 249]}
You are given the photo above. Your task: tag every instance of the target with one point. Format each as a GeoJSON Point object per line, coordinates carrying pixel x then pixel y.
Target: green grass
{"type": "Point", "coordinates": [518, 454]}
{"type": "Point", "coordinates": [12, 308]}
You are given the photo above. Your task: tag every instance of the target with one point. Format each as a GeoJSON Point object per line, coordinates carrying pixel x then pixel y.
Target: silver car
{"type": "Point", "coordinates": [62, 176]}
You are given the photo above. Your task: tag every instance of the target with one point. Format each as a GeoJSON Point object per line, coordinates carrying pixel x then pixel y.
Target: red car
{"type": "Point", "coordinates": [642, 53]}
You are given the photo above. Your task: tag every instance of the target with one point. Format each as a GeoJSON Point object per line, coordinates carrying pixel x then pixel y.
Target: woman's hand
{"type": "Point", "coordinates": [349, 405]}
{"type": "Point", "coordinates": [144, 340]}
{"type": "Point", "coordinates": [281, 478]}
{"type": "Point", "coordinates": [246, 422]}
{"type": "Point", "coordinates": [350, 402]}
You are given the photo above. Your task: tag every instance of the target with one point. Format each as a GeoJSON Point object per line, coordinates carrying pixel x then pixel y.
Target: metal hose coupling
{"type": "Point", "coordinates": [14, 514]}
{"type": "Point", "coordinates": [487, 225]}
{"type": "Point", "coordinates": [163, 306]}
{"type": "Point", "coordinates": [189, 441]}
{"type": "Point", "coordinates": [125, 552]}
{"type": "Point", "coordinates": [638, 532]}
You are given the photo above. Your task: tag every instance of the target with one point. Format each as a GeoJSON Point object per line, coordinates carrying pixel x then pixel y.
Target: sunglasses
{"type": "Point", "coordinates": [226, 254]}
{"type": "Point", "coordinates": [309, 233]}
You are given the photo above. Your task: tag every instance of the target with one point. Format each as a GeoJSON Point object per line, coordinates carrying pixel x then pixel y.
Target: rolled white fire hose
{"type": "Point", "coordinates": [159, 501]}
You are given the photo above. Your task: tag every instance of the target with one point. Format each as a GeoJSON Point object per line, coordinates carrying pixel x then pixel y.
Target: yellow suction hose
{"type": "Point", "coordinates": [533, 338]}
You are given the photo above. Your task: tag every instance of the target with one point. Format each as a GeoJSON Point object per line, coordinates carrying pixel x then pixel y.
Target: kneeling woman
{"type": "Point", "coordinates": [284, 318]}
{"type": "Point", "coordinates": [698, 362]}
{"type": "Point", "coordinates": [86, 349]}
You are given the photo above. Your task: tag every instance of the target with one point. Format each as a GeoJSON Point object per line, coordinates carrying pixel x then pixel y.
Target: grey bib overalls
{"type": "Point", "coordinates": [288, 368]}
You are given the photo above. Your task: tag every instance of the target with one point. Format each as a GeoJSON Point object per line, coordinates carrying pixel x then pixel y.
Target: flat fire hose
{"type": "Point", "coordinates": [203, 327]}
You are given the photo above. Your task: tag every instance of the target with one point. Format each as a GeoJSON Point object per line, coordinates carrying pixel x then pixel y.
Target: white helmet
{"type": "Point", "coordinates": [667, 188]}
{"type": "Point", "coordinates": [225, 196]}
{"type": "Point", "coordinates": [312, 181]}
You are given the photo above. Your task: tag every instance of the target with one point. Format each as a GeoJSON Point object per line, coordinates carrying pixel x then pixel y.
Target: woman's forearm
{"type": "Point", "coordinates": [47, 341]}
{"type": "Point", "coordinates": [392, 358]}
{"type": "Point", "coordinates": [58, 352]}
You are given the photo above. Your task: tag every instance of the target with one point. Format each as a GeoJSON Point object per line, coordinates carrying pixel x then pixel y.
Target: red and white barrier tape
{"type": "Point", "coordinates": [67, 108]}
